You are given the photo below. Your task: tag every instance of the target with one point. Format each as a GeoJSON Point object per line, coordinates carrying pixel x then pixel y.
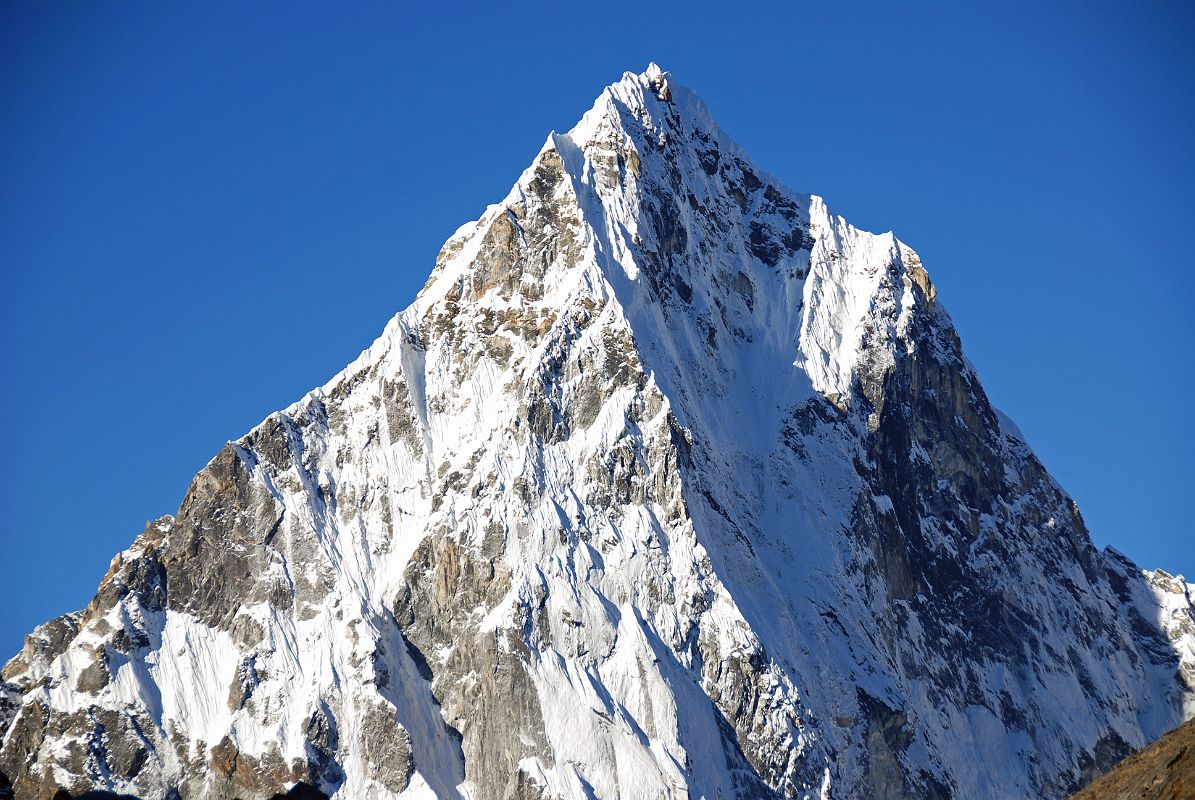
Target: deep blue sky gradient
{"type": "Point", "coordinates": [208, 209]}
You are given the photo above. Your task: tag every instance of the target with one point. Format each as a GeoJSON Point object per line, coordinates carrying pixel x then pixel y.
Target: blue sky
{"type": "Point", "coordinates": [206, 210]}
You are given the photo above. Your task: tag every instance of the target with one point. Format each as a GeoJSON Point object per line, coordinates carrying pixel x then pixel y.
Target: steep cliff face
{"type": "Point", "coordinates": [670, 483]}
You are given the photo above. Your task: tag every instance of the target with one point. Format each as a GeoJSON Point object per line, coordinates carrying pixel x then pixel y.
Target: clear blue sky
{"type": "Point", "coordinates": [206, 210]}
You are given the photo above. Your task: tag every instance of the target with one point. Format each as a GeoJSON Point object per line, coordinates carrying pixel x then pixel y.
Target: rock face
{"type": "Point", "coordinates": [670, 483]}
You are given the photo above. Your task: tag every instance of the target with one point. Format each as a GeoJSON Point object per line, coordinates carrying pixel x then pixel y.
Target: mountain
{"type": "Point", "coordinates": [670, 483]}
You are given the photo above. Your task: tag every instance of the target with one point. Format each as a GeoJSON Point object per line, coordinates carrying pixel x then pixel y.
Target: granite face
{"type": "Point", "coordinates": [670, 483]}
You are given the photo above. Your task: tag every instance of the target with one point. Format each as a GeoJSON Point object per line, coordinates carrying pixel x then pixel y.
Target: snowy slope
{"type": "Point", "coordinates": [670, 483]}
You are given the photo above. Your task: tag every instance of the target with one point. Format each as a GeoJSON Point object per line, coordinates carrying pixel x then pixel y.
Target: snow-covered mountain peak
{"type": "Point", "coordinates": [664, 210]}
{"type": "Point", "coordinates": [670, 483]}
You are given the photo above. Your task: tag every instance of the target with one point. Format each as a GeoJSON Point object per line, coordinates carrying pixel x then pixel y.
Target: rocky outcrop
{"type": "Point", "coordinates": [1163, 771]}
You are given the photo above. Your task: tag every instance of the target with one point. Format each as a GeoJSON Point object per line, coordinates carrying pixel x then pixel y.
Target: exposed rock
{"type": "Point", "coordinates": [386, 748]}
{"type": "Point", "coordinates": [96, 675]}
{"type": "Point", "coordinates": [1163, 771]}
